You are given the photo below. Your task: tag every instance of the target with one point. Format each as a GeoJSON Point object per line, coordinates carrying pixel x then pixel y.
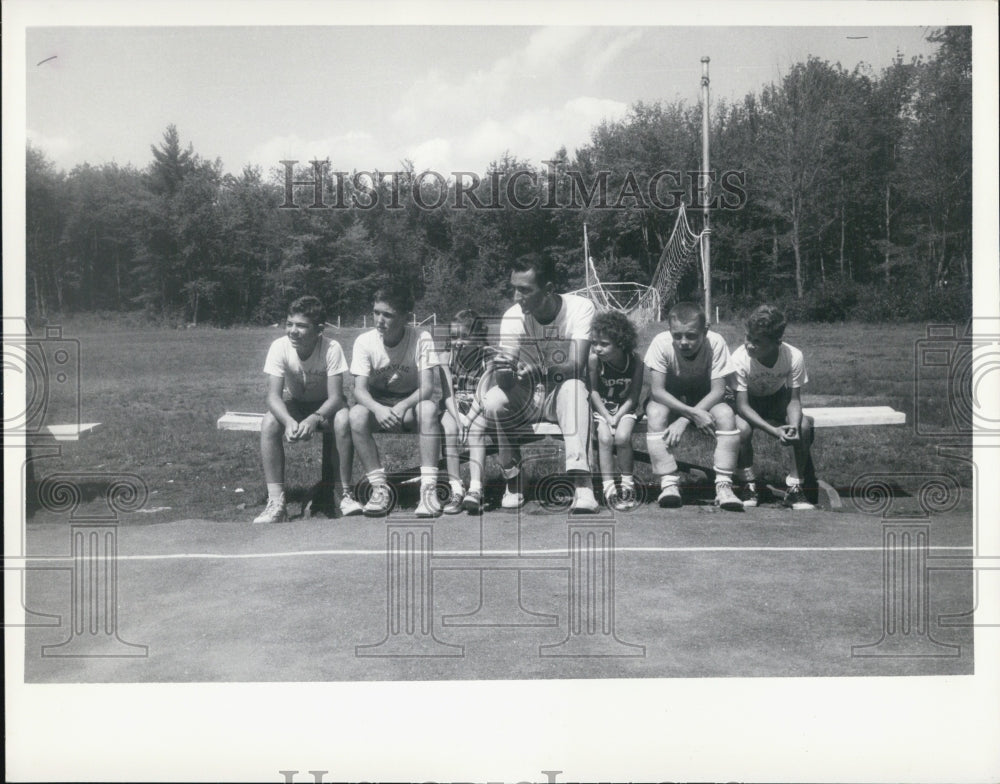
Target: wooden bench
{"type": "Point", "coordinates": [823, 417]}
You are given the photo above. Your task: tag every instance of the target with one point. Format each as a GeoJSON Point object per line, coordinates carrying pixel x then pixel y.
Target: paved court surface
{"type": "Point", "coordinates": [687, 593]}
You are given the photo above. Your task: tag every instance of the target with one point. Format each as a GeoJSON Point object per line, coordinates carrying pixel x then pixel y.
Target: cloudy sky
{"type": "Point", "coordinates": [446, 97]}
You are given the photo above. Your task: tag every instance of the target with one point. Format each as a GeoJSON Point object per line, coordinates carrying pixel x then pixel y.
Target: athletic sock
{"type": "Point", "coordinates": [457, 488]}
{"type": "Point", "coordinates": [792, 481]}
{"type": "Point", "coordinates": [609, 487]}
{"type": "Point", "coordinates": [475, 486]}
{"type": "Point", "coordinates": [377, 477]}
{"type": "Point", "coordinates": [275, 491]}
{"type": "Point", "coordinates": [628, 481]}
{"type": "Point", "coordinates": [721, 475]}
{"type": "Point", "coordinates": [428, 475]}
{"type": "Point", "coordinates": [669, 480]}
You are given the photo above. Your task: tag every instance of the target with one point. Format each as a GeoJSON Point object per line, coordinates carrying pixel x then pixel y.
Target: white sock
{"type": "Point", "coordinates": [475, 486]}
{"type": "Point", "coordinates": [377, 477]}
{"type": "Point", "coordinates": [275, 491]}
{"type": "Point", "coordinates": [792, 481]}
{"type": "Point", "coordinates": [722, 475]}
{"type": "Point", "coordinates": [669, 480]}
{"type": "Point", "coordinates": [457, 488]}
{"type": "Point", "coordinates": [609, 486]}
{"type": "Point", "coordinates": [628, 481]}
{"type": "Point", "coordinates": [428, 475]}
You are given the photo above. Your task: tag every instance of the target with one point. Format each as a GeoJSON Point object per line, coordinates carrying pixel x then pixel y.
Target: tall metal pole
{"type": "Point", "coordinates": [706, 195]}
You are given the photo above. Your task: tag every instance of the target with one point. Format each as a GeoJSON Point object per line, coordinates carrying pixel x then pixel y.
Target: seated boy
{"type": "Point", "coordinates": [769, 376]}
{"type": "Point", "coordinates": [310, 369]}
{"type": "Point", "coordinates": [394, 366]}
{"type": "Point", "coordinates": [689, 366]}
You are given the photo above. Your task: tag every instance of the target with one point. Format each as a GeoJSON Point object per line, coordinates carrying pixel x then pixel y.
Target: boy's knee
{"type": "Point", "coordinates": [359, 418]}
{"type": "Point", "coordinates": [656, 416]}
{"type": "Point", "coordinates": [604, 436]}
{"type": "Point", "coordinates": [495, 402]}
{"type": "Point", "coordinates": [746, 432]}
{"type": "Point", "coordinates": [623, 439]}
{"type": "Point", "coordinates": [342, 421]}
{"type": "Point", "coordinates": [448, 423]}
{"type": "Point", "coordinates": [270, 427]}
{"type": "Point", "coordinates": [724, 417]}
{"type": "Point", "coordinates": [427, 414]}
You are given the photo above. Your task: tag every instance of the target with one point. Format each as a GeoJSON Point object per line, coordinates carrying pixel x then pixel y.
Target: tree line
{"type": "Point", "coordinates": [849, 195]}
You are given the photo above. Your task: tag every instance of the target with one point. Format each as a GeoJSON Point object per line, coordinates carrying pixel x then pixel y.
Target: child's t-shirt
{"type": "Point", "coordinates": [690, 379]}
{"type": "Point", "coordinates": [613, 385]}
{"type": "Point", "coordinates": [542, 344]}
{"type": "Point", "coordinates": [305, 379]}
{"type": "Point", "coordinates": [759, 380]}
{"type": "Point", "coordinates": [393, 372]}
{"type": "Point", "coordinates": [467, 368]}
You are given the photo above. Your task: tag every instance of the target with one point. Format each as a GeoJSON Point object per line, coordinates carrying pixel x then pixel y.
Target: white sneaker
{"type": "Point", "coordinates": [429, 505]}
{"type": "Point", "coordinates": [511, 500]}
{"type": "Point", "coordinates": [349, 505]}
{"type": "Point", "coordinates": [274, 512]}
{"type": "Point", "coordinates": [670, 497]}
{"type": "Point", "coordinates": [378, 504]}
{"type": "Point", "coordinates": [584, 501]}
{"type": "Point", "coordinates": [726, 499]}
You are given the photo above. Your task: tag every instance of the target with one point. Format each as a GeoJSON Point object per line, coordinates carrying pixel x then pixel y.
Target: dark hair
{"type": "Point", "coordinates": [472, 321]}
{"type": "Point", "coordinates": [616, 327]}
{"type": "Point", "coordinates": [767, 320]}
{"type": "Point", "coordinates": [311, 308]}
{"type": "Point", "coordinates": [396, 296]}
{"type": "Point", "coordinates": [543, 265]}
{"type": "Point", "coordinates": [686, 312]}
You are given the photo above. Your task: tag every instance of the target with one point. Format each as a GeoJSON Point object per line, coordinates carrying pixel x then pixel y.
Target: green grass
{"type": "Point", "coordinates": [158, 393]}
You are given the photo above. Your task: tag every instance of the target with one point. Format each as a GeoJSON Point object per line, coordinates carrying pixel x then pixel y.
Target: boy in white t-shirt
{"type": "Point", "coordinates": [305, 393]}
{"type": "Point", "coordinates": [689, 367]}
{"type": "Point", "coordinates": [394, 366]}
{"type": "Point", "coordinates": [769, 377]}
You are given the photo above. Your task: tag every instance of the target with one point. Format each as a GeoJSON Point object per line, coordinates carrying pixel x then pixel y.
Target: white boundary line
{"type": "Point", "coordinates": [14, 563]}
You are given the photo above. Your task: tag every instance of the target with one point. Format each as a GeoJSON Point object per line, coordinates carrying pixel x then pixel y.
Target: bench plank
{"type": "Point", "coordinates": [66, 432]}
{"type": "Point", "coordinates": [838, 416]}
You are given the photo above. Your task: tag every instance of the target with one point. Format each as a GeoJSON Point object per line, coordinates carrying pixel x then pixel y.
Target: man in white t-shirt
{"type": "Point", "coordinates": [541, 373]}
{"type": "Point", "coordinates": [393, 367]}
{"type": "Point", "coordinates": [305, 393]}
{"type": "Point", "coordinates": [689, 366]}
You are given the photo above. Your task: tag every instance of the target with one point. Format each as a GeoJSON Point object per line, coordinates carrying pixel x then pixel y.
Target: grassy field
{"type": "Point", "coordinates": [158, 394]}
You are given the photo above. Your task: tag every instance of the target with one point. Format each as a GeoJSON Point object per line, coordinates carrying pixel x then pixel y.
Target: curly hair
{"type": "Point", "coordinates": [311, 308]}
{"type": "Point", "coordinates": [617, 328]}
{"type": "Point", "coordinates": [768, 321]}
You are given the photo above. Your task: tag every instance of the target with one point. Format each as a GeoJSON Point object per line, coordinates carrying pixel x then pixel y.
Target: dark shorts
{"type": "Point", "coordinates": [773, 408]}
{"type": "Point", "coordinates": [300, 409]}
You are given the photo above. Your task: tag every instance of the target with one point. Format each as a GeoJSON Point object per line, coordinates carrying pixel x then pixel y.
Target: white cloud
{"type": "Point", "coordinates": [56, 148]}
{"type": "Point", "coordinates": [616, 46]}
